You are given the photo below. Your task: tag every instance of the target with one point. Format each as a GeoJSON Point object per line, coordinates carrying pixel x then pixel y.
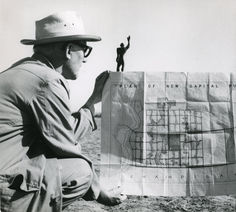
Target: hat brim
{"type": "Point", "coordinates": [89, 38]}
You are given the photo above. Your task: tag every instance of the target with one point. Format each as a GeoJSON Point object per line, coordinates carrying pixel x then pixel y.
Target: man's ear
{"type": "Point", "coordinates": [68, 51]}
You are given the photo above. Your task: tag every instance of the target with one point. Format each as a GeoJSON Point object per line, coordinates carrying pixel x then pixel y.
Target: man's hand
{"type": "Point", "coordinates": [111, 198]}
{"type": "Point", "coordinates": [128, 38]}
{"type": "Point", "coordinates": [98, 88]}
{"type": "Point", "coordinates": [97, 91]}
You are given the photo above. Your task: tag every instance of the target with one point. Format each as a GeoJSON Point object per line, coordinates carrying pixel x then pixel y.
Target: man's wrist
{"type": "Point", "coordinates": [90, 107]}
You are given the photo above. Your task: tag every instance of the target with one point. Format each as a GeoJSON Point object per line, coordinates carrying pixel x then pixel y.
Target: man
{"type": "Point", "coordinates": [41, 165]}
{"type": "Point", "coordinates": [120, 55]}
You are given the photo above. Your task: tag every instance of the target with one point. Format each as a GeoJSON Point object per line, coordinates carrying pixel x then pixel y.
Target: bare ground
{"type": "Point", "coordinates": [91, 147]}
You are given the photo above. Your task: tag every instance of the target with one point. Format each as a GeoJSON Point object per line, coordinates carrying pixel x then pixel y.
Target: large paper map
{"type": "Point", "coordinates": [169, 133]}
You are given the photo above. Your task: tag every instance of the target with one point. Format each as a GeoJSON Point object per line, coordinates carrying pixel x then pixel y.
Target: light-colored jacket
{"type": "Point", "coordinates": [36, 128]}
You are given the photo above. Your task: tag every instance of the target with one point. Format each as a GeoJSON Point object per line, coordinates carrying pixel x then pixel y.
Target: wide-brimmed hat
{"type": "Point", "coordinates": [62, 26]}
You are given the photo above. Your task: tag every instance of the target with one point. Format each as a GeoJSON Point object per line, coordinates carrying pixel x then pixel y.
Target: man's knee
{"type": "Point", "coordinates": [81, 168]}
{"type": "Point", "coordinates": [76, 175]}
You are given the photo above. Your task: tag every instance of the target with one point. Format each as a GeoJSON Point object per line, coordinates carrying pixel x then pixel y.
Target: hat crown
{"type": "Point", "coordinates": [60, 27]}
{"type": "Point", "coordinates": [59, 24]}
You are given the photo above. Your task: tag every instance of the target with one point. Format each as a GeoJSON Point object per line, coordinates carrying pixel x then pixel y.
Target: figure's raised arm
{"type": "Point", "coordinates": [128, 39]}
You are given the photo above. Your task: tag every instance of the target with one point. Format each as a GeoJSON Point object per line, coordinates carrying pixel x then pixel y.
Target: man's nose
{"type": "Point", "coordinates": [84, 60]}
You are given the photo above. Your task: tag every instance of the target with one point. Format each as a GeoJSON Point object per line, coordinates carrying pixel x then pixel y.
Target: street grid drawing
{"type": "Point", "coordinates": [169, 141]}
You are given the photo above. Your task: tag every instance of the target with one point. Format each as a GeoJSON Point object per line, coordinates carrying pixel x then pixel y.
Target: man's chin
{"type": "Point", "coordinates": [74, 77]}
{"type": "Point", "coordinates": [71, 76]}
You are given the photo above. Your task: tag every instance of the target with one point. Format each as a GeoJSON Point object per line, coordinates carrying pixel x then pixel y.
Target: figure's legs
{"type": "Point", "coordinates": [118, 67]}
{"type": "Point", "coordinates": [76, 177]}
{"type": "Point", "coordinates": [122, 66]}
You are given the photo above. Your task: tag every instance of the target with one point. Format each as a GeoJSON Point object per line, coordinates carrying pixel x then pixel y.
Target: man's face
{"type": "Point", "coordinates": [75, 59]}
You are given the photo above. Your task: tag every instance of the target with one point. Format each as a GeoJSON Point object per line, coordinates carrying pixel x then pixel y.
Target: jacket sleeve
{"type": "Point", "coordinates": [83, 122]}
{"type": "Point", "coordinates": [60, 129]}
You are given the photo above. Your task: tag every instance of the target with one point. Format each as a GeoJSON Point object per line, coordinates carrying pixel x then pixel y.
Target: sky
{"type": "Point", "coordinates": [166, 35]}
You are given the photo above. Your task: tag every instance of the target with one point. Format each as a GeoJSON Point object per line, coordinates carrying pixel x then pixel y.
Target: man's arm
{"type": "Point", "coordinates": [83, 123]}
{"type": "Point", "coordinates": [128, 45]}
{"type": "Point", "coordinates": [52, 114]}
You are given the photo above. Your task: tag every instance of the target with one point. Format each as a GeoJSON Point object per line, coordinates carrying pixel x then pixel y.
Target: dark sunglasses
{"type": "Point", "coordinates": [86, 49]}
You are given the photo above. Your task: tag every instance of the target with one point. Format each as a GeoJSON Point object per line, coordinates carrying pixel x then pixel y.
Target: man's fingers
{"type": "Point", "coordinates": [110, 199]}
{"type": "Point", "coordinates": [117, 193]}
{"type": "Point", "coordinates": [99, 85]}
{"type": "Point", "coordinates": [123, 197]}
{"type": "Point", "coordinates": [118, 199]}
{"type": "Point", "coordinates": [103, 76]}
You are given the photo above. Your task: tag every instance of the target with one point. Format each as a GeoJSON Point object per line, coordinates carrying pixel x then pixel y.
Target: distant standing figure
{"type": "Point", "coordinates": [120, 55]}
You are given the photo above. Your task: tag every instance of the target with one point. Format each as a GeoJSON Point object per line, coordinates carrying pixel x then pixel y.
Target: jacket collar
{"type": "Point", "coordinates": [43, 59]}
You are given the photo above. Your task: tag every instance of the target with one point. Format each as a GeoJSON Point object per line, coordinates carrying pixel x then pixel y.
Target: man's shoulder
{"type": "Point", "coordinates": [33, 69]}
{"type": "Point", "coordinates": [32, 74]}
